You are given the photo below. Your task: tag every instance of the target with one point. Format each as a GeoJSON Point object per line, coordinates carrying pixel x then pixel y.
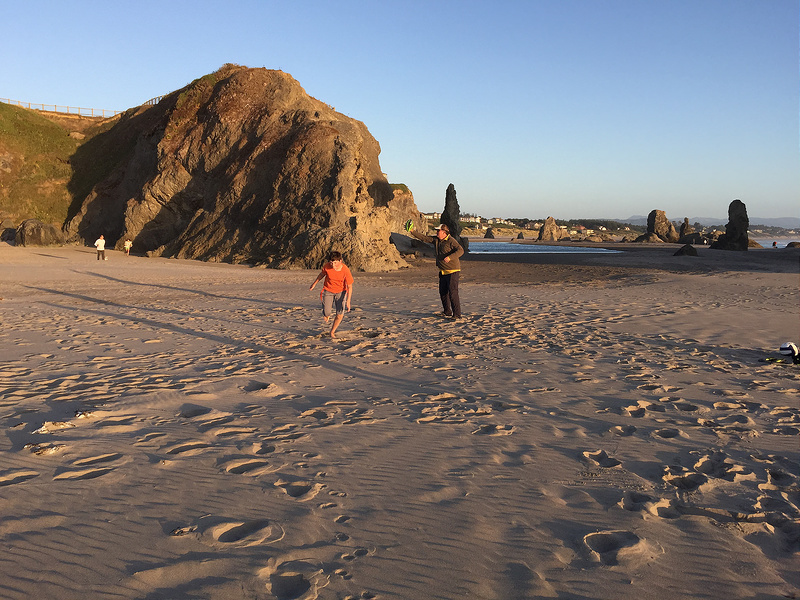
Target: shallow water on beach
{"type": "Point", "coordinates": [511, 248]}
{"type": "Point", "coordinates": [767, 242]}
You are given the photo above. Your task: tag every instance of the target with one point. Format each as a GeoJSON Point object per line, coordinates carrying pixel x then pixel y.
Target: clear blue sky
{"type": "Point", "coordinates": [569, 108]}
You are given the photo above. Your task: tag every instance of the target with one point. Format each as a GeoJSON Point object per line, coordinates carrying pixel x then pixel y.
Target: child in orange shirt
{"type": "Point", "coordinates": [337, 291]}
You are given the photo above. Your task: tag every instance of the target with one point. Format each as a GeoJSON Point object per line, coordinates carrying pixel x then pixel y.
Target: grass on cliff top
{"type": "Point", "coordinates": [34, 166]}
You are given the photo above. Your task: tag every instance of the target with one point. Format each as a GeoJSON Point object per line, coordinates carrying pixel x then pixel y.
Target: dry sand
{"type": "Point", "coordinates": [597, 427]}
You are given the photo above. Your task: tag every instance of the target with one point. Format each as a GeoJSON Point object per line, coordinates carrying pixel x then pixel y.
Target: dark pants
{"type": "Point", "coordinates": [448, 292]}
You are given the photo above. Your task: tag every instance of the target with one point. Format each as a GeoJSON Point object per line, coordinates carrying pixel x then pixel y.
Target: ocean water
{"type": "Point", "coordinates": [767, 242]}
{"type": "Point", "coordinates": [509, 248]}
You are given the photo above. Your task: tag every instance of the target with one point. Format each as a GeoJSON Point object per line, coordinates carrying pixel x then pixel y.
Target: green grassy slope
{"type": "Point", "coordinates": [34, 166]}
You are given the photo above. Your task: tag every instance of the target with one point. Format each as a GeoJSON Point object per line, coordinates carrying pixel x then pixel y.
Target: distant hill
{"type": "Point", "coordinates": [785, 222]}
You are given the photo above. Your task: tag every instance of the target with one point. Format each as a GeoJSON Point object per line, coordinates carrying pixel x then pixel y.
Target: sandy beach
{"type": "Point", "coordinates": [598, 426]}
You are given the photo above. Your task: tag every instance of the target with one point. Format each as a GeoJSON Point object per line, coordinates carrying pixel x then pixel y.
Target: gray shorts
{"type": "Point", "coordinates": [331, 301]}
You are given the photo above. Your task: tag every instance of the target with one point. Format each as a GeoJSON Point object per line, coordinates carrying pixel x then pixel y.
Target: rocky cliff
{"type": "Point", "coordinates": [243, 166]}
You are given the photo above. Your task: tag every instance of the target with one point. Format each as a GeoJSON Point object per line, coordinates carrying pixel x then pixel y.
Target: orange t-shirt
{"type": "Point", "coordinates": [335, 281]}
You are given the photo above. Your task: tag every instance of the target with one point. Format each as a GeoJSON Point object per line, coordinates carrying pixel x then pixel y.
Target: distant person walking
{"type": "Point", "coordinates": [448, 251]}
{"type": "Point", "coordinates": [100, 244]}
{"type": "Point", "coordinates": [337, 291]}
{"type": "Point", "coordinates": [128, 245]}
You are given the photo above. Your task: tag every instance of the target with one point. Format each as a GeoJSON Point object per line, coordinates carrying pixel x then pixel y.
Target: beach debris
{"type": "Point", "coordinates": [44, 449]}
{"type": "Point", "coordinates": [791, 350]}
{"type": "Point", "coordinates": [50, 426]}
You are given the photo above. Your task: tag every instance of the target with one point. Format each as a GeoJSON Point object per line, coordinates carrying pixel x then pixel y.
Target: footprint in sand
{"type": "Point", "coordinates": [189, 411]}
{"type": "Point", "coordinates": [294, 579]}
{"type": "Point", "coordinates": [634, 411]}
{"type": "Point", "coordinates": [245, 465]}
{"type": "Point", "coordinates": [727, 405]}
{"type": "Point", "coordinates": [102, 458]}
{"type": "Point", "coordinates": [601, 459]}
{"type": "Point", "coordinates": [635, 501]}
{"type": "Point", "coordinates": [261, 388]}
{"type": "Point", "coordinates": [665, 508]}
{"type": "Point", "coordinates": [683, 479]}
{"type": "Point", "coordinates": [299, 489]}
{"type": "Point", "coordinates": [12, 477]}
{"type": "Point", "coordinates": [778, 479]}
{"type": "Point", "coordinates": [187, 448]}
{"type": "Point", "coordinates": [215, 422]}
{"type": "Point", "coordinates": [217, 531]}
{"type": "Point", "coordinates": [262, 448]}
{"type": "Point", "coordinates": [493, 429]}
{"type": "Point", "coordinates": [668, 433]}
{"type": "Point", "coordinates": [623, 430]}
{"type": "Point", "coordinates": [358, 552]}
{"type": "Point", "coordinates": [82, 474]}
{"type": "Point", "coordinates": [609, 547]}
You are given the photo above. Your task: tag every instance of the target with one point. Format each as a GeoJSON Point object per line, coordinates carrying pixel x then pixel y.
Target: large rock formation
{"type": "Point", "coordinates": [243, 166]}
{"type": "Point", "coordinates": [735, 236]}
{"type": "Point", "coordinates": [451, 216]}
{"type": "Point", "coordinates": [550, 231]}
{"type": "Point", "coordinates": [659, 225]}
{"type": "Point", "coordinates": [33, 232]}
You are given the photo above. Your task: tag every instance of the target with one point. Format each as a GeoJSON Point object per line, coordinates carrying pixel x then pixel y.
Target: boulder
{"type": "Point", "coordinates": [243, 166]}
{"type": "Point", "coordinates": [649, 238]}
{"type": "Point", "coordinates": [686, 250]}
{"type": "Point", "coordinates": [520, 236]}
{"type": "Point", "coordinates": [658, 223]}
{"type": "Point", "coordinates": [753, 244]}
{"type": "Point", "coordinates": [8, 231]}
{"type": "Point", "coordinates": [489, 235]}
{"type": "Point", "coordinates": [735, 236]}
{"type": "Point", "coordinates": [550, 231]}
{"type": "Point", "coordinates": [686, 228]}
{"type": "Point", "coordinates": [32, 232]}
{"type": "Point", "coordinates": [451, 216]}
{"type": "Point", "coordinates": [793, 245]}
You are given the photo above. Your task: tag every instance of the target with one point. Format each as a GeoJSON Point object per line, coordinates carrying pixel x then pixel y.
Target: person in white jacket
{"type": "Point", "coordinates": [100, 244]}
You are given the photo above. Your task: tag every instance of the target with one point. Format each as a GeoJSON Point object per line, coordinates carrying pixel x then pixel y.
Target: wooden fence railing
{"type": "Point", "coordinates": [72, 110]}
